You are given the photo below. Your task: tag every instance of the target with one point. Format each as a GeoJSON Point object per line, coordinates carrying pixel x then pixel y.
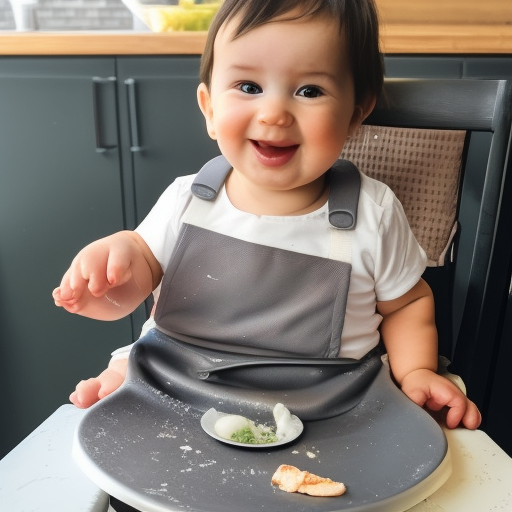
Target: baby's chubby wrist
{"type": "Point", "coordinates": [416, 375]}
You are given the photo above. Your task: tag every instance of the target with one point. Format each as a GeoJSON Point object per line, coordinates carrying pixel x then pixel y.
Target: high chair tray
{"type": "Point", "coordinates": [148, 449]}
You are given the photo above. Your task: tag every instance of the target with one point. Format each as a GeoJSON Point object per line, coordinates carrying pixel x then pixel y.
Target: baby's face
{"type": "Point", "coordinates": [281, 102]}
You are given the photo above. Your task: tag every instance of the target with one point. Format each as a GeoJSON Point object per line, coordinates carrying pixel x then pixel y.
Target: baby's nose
{"type": "Point", "coordinates": [275, 112]}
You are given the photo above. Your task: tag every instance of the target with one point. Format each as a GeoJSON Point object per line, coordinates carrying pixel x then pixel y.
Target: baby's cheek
{"type": "Point", "coordinates": [231, 117]}
{"type": "Point", "coordinates": [327, 134]}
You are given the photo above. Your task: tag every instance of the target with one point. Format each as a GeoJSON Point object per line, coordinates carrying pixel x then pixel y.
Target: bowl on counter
{"type": "Point", "coordinates": [174, 15]}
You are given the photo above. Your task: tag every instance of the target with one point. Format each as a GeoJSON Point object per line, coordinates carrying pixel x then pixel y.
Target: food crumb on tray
{"type": "Point", "coordinates": [291, 479]}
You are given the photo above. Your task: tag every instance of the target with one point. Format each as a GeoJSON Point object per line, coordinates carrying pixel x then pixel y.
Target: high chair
{"type": "Point", "coordinates": [443, 146]}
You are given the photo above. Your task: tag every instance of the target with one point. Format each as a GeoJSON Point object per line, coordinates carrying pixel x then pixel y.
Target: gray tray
{"type": "Point", "coordinates": [148, 449]}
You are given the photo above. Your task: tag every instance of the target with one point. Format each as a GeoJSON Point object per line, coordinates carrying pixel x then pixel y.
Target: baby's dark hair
{"type": "Point", "coordinates": [358, 20]}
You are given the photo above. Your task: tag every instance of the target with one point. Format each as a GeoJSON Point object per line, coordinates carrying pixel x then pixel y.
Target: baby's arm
{"type": "Point", "coordinates": [109, 278]}
{"type": "Point", "coordinates": [410, 337]}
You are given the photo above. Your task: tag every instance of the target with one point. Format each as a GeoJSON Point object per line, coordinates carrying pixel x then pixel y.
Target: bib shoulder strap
{"type": "Point", "coordinates": [345, 184]}
{"type": "Point", "coordinates": [210, 178]}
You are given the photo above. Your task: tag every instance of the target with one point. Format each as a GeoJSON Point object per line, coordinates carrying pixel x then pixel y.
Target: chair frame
{"type": "Point", "coordinates": [481, 279]}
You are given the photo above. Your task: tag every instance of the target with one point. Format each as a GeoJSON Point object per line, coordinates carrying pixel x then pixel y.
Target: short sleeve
{"type": "Point", "coordinates": [400, 261]}
{"type": "Point", "coordinates": [161, 226]}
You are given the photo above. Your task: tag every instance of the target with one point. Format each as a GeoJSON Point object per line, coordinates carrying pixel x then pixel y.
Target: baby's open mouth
{"type": "Point", "coordinates": [278, 151]}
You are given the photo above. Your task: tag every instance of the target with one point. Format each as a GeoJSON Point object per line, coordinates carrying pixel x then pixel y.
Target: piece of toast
{"type": "Point", "coordinates": [292, 479]}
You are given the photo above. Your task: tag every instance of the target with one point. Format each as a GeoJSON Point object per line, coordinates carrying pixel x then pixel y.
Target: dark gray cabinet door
{"type": "Point", "coordinates": [163, 130]}
{"type": "Point", "coordinates": [59, 190]}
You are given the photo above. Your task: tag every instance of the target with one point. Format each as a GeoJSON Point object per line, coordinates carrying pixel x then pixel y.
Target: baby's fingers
{"type": "Point", "coordinates": [59, 301]}
{"type": "Point", "coordinates": [459, 410]}
{"type": "Point", "coordinates": [465, 413]}
{"type": "Point", "coordinates": [91, 275]}
{"type": "Point", "coordinates": [69, 295]}
{"type": "Point", "coordinates": [119, 269]}
{"type": "Point", "coordinates": [86, 393]}
{"type": "Point", "coordinates": [68, 290]}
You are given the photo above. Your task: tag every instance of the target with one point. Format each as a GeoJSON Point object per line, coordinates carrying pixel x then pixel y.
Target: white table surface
{"type": "Point", "coordinates": [39, 475]}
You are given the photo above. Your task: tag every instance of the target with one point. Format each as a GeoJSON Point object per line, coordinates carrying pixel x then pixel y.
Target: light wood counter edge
{"type": "Point", "coordinates": [396, 39]}
{"type": "Point", "coordinates": [101, 43]}
{"type": "Point", "coordinates": [446, 39]}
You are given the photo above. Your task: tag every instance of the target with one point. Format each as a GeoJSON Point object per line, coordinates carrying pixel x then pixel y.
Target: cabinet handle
{"type": "Point", "coordinates": [132, 114]}
{"type": "Point", "coordinates": [97, 105]}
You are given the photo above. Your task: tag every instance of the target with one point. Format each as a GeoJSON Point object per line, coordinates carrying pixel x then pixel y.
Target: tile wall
{"type": "Point", "coordinates": [74, 15]}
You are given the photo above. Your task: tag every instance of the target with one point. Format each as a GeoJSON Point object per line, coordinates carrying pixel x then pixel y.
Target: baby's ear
{"type": "Point", "coordinates": [205, 104]}
{"type": "Point", "coordinates": [361, 111]}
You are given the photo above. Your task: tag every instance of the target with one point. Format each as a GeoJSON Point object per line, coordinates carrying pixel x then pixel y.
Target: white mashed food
{"type": "Point", "coordinates": [227, 425]}
{"type": "Point", "coordinates": [287, 426]}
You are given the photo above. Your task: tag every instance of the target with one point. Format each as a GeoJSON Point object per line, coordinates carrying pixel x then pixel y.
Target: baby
{"type": "Point", "coordinates": [284, 83]}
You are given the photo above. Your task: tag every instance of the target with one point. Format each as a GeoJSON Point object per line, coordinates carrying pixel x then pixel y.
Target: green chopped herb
{"type": "Point", "coordinates": [246, 435]}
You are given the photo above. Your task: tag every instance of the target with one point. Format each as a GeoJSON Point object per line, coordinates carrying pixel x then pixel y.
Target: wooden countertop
{"type": "Point", "coordinates": [397, 38]}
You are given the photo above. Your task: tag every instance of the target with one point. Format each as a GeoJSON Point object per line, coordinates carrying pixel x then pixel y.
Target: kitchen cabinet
{"type": "Point", "coordinates": [163, 130]}
{"type": "Point", "coordinates": [86, 147]}
{"type": "Point", "coordinates": [57, 193]}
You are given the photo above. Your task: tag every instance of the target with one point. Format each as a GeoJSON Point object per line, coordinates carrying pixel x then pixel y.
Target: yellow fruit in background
{"type": "Point", "coordinates": [187, 4]}
{"type": "Point", "coordinates": [185, 16]}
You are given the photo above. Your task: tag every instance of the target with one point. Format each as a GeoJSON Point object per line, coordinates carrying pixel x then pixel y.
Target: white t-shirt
{"type": "Point", "coordinates": [386, 259]}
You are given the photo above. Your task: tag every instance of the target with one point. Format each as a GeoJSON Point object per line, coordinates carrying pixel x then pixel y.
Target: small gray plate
{"type": "Point", "coordinates": [211, 416]}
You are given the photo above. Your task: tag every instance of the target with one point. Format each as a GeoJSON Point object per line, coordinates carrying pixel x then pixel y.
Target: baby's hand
{"type": "Point", "coordinates": [428, 389]}
{"type": "Point", "coordinates": [95, 269]}
{"type": "Point", "coordinates": [109, 278]}
{"type": "Point", "coordinates": [89, 391]}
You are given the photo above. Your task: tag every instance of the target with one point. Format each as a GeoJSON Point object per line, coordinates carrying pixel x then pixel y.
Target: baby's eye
{"type": "Point", "coordinates": [249, 88]}
{"type": "Point", "coordinates": [310, 91]}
